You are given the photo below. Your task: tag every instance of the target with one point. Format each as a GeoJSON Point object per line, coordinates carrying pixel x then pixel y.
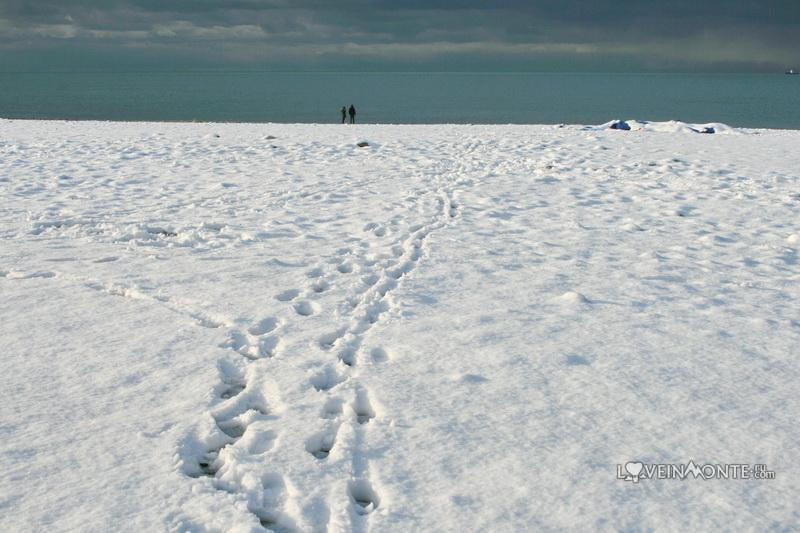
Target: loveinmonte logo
{"type": "Point", "coordinates": [636, 470]}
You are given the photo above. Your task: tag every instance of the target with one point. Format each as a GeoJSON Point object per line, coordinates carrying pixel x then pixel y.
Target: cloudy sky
{"type": "Point", "coordinates": [563, 35]}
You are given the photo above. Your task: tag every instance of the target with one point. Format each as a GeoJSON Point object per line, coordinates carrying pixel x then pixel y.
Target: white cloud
{"type": "Point", "coordinates": [182, 29]}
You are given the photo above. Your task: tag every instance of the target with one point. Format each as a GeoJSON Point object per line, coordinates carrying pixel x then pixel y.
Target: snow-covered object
{"type": "Point", "coordinates": [230, 327]}
{"type": "Point", "coordinates": [671, 126]}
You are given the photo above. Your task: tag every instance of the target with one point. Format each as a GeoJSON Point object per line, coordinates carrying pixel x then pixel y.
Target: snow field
{"type": "Point", "coordinates": [223, 327]}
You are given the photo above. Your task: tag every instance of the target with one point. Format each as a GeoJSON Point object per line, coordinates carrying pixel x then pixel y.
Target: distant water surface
{"type": "Point", "coordinates": [751, 100]}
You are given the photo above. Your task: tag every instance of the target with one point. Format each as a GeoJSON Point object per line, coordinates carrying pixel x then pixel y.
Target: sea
{"type": "Point", "coordinates": [743, 100]}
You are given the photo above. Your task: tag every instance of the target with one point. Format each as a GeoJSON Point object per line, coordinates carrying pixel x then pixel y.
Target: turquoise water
{"type": "Point", "coordinates": [767, 101]}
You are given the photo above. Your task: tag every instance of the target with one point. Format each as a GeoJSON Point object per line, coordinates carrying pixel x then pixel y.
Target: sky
{"type": "Point", "coordinates": [358, 35]}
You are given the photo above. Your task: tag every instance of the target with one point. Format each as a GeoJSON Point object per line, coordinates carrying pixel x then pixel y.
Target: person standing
{"type": "Point", "coordinates": [352, 112]}
{"type": "Point", "coordinates": [344, 114]}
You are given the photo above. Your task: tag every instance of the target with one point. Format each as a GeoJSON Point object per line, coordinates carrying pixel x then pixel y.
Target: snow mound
{"type": "Point", "coordinates": [573, 298]}
{"type": "Point", "coordinates": [670, 126]}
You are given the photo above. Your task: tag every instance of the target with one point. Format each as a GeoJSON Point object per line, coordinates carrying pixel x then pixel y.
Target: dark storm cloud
{"type": "Point", "coordinates": [559, 34]}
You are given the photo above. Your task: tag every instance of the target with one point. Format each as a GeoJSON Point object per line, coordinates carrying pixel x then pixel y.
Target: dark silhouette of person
{"type": "Point", "coordinates": [344, 114]}
{"type": "Point", "coordinates": [352, 112]}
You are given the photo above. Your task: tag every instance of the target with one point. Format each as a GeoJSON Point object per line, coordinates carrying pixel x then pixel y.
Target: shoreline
{"type": "Point", "coordinates": [374, 124]}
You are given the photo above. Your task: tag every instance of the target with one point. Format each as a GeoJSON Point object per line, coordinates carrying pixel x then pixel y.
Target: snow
{"type": "Point", "coordinates": [227, 327]}
{"type": "Point", "coordinates": [671, 126]}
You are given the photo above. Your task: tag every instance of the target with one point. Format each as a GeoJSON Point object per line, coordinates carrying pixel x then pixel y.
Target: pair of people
{"type": "Point", "coordinates": [351, 111]}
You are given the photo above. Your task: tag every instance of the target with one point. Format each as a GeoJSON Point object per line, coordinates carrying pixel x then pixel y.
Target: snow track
{"type": "Point", "coordinates": [235, 454]}
{"type": "Point", "coordinates": [227, 327]}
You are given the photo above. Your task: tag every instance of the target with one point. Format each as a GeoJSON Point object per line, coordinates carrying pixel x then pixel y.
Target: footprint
{"type": "Point", "coordinates": [327, 340]}
{"type": "Point", "coordinates": [386, 286]}
{"type": "Point", "coordinates": [362, 407]}
{"type": "Point", "coordinates": [363, 496]}
{"type": "Point", "coordinates": [258, 442]}
{"type": "Point", "coordinates": [379, 355]}
{"type": "Point", "coordinates": [332, 408]}
{"type": "Point", "coordinates": [264, 326]}
{"type": "Point", "coordinates": [376, 229]}
{"type": "Point", "coordinates": [208, 322]}
{"type": "Point", "coordinates": [269, 510]}
{"type": "Point", "coordinates": [232, 428]}
{"type": "Point", "coordinates": [31, 275]}
{"type": "Point", "coordinates": [326, 379]}
{"type": "Point", "coordinates": [348, 356]}
{"type": "Point", "coordinates": [232, 378]}
{"type": "Point", "coordinates": [268, 346]}
{"type": "Point", "coordinates": [370, 280]}
{"type": "Point", "coordinates": [374, 312]}
{"type": "Point", "coordinates": [238, 342]}
{"type": "Point", "coordinates": [315, 273]}
{"type": "Point", "coordinates": [306, 308]}
{"type": "Point", "coordinates": [345, 268]}
{"type": "Point", "coordinates": [320, 286]}
{"type": "Point", "coordinates": [207, 465]}
{"type": "Point", "coordinates": [235, 426]}
{"type": "Point", "coordinates": [233, 390]}
{"type": "Point", "coordinates": [320, 444]}
{"type": "Point", "coordinates": [453, 208]}
{"type": "Point", "coordinates": [403, 269]}
{"type": "Point", "coordinates": [288, 295]}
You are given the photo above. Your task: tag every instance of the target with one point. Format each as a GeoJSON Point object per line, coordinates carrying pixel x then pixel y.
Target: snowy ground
{"type": "Point", "coordinates": [455, 328]}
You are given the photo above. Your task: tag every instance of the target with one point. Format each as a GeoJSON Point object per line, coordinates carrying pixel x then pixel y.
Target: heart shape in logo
{"type": "Point", "coordinates": [634, 468]}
